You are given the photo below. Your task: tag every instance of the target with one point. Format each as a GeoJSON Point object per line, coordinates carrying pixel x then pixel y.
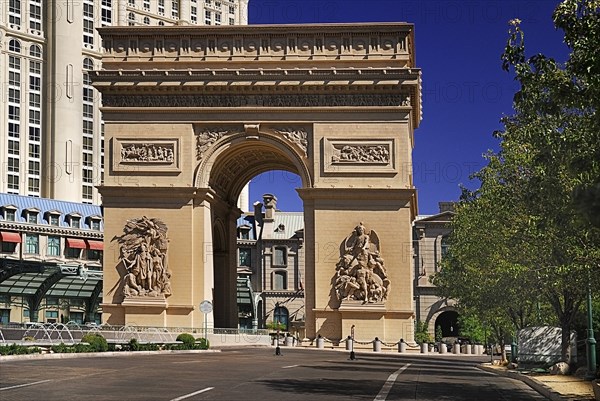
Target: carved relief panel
{"type": "Point", "coordinates": [359, 156]}
{"type": "Point", "coordinates": [146, 155]}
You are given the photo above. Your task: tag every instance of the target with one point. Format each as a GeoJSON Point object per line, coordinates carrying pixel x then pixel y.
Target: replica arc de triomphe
{"type": "Point", "coordinates": [193, 113]}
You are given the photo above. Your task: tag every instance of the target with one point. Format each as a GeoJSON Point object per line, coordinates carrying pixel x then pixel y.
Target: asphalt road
{"type": "Point", "coordinates": [258, 374]}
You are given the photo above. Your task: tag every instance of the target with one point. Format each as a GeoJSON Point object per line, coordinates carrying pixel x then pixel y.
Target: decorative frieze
{"type": "Point", "coordinates": [206, 137]}
{"type": "Point", "coordinates": [298, 136]}
{"type": "Point", "coordinates": [369, 154]}
{"type": "Point", "coordinates": [251, 44]}
{"type": "Point", "coordinates": [267, 100]}
{"type": "Point", "coordinates": [363, 156]}
{"type": "Point", "coordinates": [142, 155]}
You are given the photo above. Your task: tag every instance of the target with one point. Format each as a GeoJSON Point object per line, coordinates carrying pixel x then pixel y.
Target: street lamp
{"type": "Point", "coordinates": [352, 355]}
{"type": "Point", "coordinates": [591, 341]}
{"type": "Point", "coordinates": [276, 313]}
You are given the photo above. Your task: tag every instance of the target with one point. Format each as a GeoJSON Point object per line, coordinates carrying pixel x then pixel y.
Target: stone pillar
{"type": "Point", "coordinates": [184, 12]}
{"type": "Point", "coordinates": [456, 349]}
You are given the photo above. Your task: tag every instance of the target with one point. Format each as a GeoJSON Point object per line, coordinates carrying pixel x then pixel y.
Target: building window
{"type": "Point", "coordinates": [147, 5]}
{"type": "Point", "coordinates": [35, 15]}
{"type": "Point", "coordinates": [174, 9]}
{"type": "Point", "coordinates": [9, 247]}
{"type": "Point", "coordinates": [32, 217]}
{"type": "Point", "coordinates": [53, 246]}
{"type": "Point", "coordinates": [14, 12]}
{"type": "Point", "coordinates": [76, 317]}
{"type": "Point", "coordinates": [217, 18]}
{"type": "Point", "coordinates": [72, 253]}
{"type": "Point", "coordinates": [88, 23]}
{"type": "Point", "coordinates": [445, 245]}
{"type": "Point", "coordinates": [14, 46]}
{"type": "Point", "coordinates": [279, 281]}
{"type": "Point", "coordinates": [106, 12]}
{"type": "Point", "coordinates": [161, 8]}
{"type": "Point", "coordinates": [245, 257]}
{"type": "Point", "coordinates": [53, 220]}
{"type": "Point", "coordinates": [75, 221]}
{"type": "Point", "coordinates": [94, 254]}
{"type": "Point", "coordinates": [279, 256]}
{"type": "Point", "coordinates": [10, 214]}
{"type": "Point", "coordinates": [4, 316]}
{"type": "Point", "coordinates": [32, 244]}
{"type": "Point", "coordinates": [132, 3]}
{"type": "Point", "coordinates": [207, 17]}
{"type": "Point", "coordinates": [281, 316]}
{"type": "Point", "coordinates": [146, 21]}
{"type": "Point", "coordinates": [194, 14]}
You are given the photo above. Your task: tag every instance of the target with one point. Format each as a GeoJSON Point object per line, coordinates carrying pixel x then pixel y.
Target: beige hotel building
{"type": "Point", "coordinates": [51, 129]}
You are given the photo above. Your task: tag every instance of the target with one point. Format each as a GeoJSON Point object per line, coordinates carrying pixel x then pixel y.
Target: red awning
{"type": "Point", "coordinates": [76, 243]}
{"type": "Point", "coordinates": [95, 245]}
{"type": "Point", "coordinates": [10, 237]}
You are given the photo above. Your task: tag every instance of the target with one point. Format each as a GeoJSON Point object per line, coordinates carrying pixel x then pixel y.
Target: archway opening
{"type": "Point", "coordinates": [258, 262]}
{"type": "Point", "coordinates": [448, 322]}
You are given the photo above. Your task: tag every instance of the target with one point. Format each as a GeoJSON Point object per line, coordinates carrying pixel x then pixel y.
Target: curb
{"type": "Point", "coordinates": [596, 387]}
{"type": "Point", "coordinates": [534, 384]}
{"type": "Point", "coordinates": [13, 358]}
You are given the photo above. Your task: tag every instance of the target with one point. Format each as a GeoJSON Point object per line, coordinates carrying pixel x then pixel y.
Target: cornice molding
{"type": "Point", "coordinates": [50, 230]}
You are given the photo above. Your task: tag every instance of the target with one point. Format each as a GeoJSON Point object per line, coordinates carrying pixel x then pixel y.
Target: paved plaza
{"type": "Point", "coordinates": [257, 374]}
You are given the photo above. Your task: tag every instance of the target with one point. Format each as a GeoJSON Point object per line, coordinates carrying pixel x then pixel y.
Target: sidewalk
{"type": "Point", "coordinates": [553, 387]}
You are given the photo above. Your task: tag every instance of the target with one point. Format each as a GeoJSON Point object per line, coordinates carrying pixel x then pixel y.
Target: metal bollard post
{"type": "Point", "coordinates": [376, 345]}
{"type": "Point", "coordinates": [320, 342]}
{"type": "Point", "coordinates": [349, 343]}
{"type": "Point", "coordinates": [402, 346]}
{"type": "Point", "coordinates": [424, 348]}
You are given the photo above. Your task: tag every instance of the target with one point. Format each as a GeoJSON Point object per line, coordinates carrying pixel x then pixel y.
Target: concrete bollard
{"type": "Point", "coordinates": [424, 348]}
{"type": "Point", "coordinates": [376, 345]}
{"type": "Point", "coordinates": [320, 342]}
{"type": "Point", "coordinates": [443, 348]}
{"type": "Point", "coordinates": [456, 349]}
{"type": "Point", "coordinates": [349, 343]}
{"type": "Point", "coordinates": [467, 349]}
{"type": "Point", "coordinates": [289, 341]}
{"type": "Point", "coordinates": [401, 346]}
{"type": "Point", "coordinates": [473, 349]}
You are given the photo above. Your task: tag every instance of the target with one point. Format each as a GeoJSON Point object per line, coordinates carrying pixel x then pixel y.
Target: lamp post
{"type": "Point", "coordinates": [277, 348]}
{"type": "Point", "coordinates": [352, 355]}
{"type": "Point", "coordinates": [591, 341]}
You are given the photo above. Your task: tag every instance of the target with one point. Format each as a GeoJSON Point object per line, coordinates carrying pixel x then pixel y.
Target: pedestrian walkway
{"type": "Point", "coordinates": [553, 387]}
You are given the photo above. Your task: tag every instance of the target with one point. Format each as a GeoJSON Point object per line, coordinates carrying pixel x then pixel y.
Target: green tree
{"type": "Point", "coordinates": [524, 238]}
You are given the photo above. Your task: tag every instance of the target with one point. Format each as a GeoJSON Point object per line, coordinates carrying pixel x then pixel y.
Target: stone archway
{"type": "Point", "coordinates": [191, 114]}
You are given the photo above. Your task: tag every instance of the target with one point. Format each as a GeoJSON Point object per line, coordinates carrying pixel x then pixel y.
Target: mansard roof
{"type": "Point", "coordinates": [47, 207]}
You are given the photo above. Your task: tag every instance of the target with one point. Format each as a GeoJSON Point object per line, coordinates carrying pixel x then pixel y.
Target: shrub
{"type": "Point", "coordinates": [134, 345]}
{"type": "Point", "coordinates": [15, 349]}
{"type": "Point", "coordinates": [203, 343]}
{"type": "Point", "coordinates": [188, 340]}
{"type": "Point", "coordinates": [96, 342]}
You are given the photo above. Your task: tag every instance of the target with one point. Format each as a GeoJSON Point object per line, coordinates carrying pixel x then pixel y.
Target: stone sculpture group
{"type": "Point", "coordinates": [360, 271]}
{"type": "Point", "coordinates": [143, 254]}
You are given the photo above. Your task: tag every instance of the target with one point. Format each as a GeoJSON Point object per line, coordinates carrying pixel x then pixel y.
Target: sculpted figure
{"type": "Point", "coordinates": [143, 249]}
{"type": "Point", "coordinates": [360, 272]}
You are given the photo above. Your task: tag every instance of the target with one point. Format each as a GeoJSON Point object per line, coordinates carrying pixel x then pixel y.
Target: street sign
{"type": "Point", "coordinates": [206, 307]}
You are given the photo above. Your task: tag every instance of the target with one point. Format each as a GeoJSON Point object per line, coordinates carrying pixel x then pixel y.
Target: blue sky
{"type": "Point", "coordinates": [465, 91]}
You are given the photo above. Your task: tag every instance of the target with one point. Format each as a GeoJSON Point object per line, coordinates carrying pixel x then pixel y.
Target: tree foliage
{"type": "Point", "coordinates": [529, 235]}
